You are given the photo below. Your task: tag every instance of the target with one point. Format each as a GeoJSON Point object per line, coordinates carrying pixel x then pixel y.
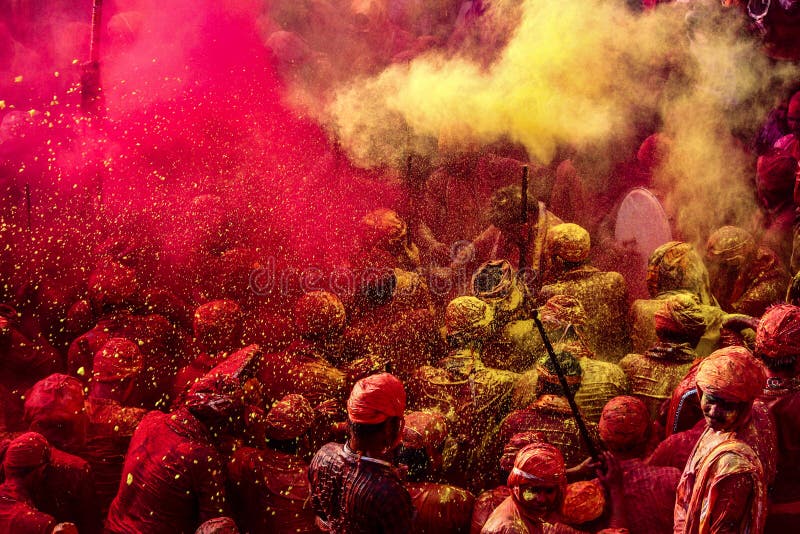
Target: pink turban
{"type": "Point", "coordinates": [376, 398]}
{"type": "Point", "coordinates": [624, 422]}
{"type": "Point", "coordinates": [778, 333]}
{"type": "Point", "coordinates": [538, 463]}
{"type": "Point", "coordinates": [731, 373]}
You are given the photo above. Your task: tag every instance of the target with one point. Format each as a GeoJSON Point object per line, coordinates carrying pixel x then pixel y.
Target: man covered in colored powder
{"type": "Point", "coordinates": [538, 483]}
{"type": "Point", "coordinates": [777, 346]}
{"type": "Point", "coordinates": [724, 487]}
{"type": "Point", "coordinates": [173, 478]}
{"type": "Point", "coordinates": [745, 278]}
{"type": "Point", "coordinates": [355, 487]}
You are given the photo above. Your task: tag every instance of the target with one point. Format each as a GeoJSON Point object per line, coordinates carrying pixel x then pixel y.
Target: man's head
{"type": "Point", "coordinates": [728, 381]}
{"type": "Point", "coordinates": [118, 363]}
{"type": "Point", "coordinates": [729, 249]}
{"type": "Point", "coordinates": [217, 400]}
{"type": "Point", "coordinates": [549, 383]}
{"type": "Point", "coordinates": [793, 114]}
{"type": "Point", "coordinates": [55, 408]}
{"type": "Point", "coordinates": [624, 424]}
{"type": "Point", "coordinates": [680, 320]}
{"type": "Point", "coordinates": [496, 283]}
{"type": "Point", "coordinates": [319, 315]}
{"type": "Point", "coordinates": [289, 418]}
{"type": "Point", "coordinates": [112, 286]}
{"type": "Point", "coordinates": [468, 319]}
{"type": "Point", "coordinates": [506, 208]}
{"type": "Point", "coordinates": [538, 480]}
{"type": "Point", "coordinates": [568, 244]}
{"type": "Point", "coordinates": [375, 409]}
{"type": "Point", "coordinates": [218, 325]}
{"type": "Point", "coordinates": [424, 434]}
{"type": "Point", "coordinates": [26, 457]}
{"type": "Point", "coordinates": [383, 228]}
{"type": "Point", "coordinates": [676, 265]}
{"type": "Point", "coordinates": [515, 443]}
{"type": "Point", "coordinates": [778, 339]}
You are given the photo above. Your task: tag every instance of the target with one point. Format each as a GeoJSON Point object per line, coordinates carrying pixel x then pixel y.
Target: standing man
{"type": "Point", "coordinates": [723, 487]}
{"type": "Point", "coordinates": [354, 487]}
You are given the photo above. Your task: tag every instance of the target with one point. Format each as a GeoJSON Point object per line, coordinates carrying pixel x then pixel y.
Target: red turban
{"type": "Point", "coordinates": [383, 226]}
{"type": "Point", "coordinates": [624, 422]}
{"type": "Point", "coordinates": [584, 501]}
{"type": "Point", "coordinates": [424, 430]}
{"type": "Point", "coordinates": [119, 358]}
{"type": "Point", "coordinates": [653, 150]}
{"type": "Point", "coordinates": [538, 464]}
{"type": "Point", "coordinates": [216, 399]}
{"type": "Point", "coordinates": [289, 418]}
{"type": "Point", "coordinates": [376, 398]}
{"type": "Point", "coordinates": [57, 395]}
{"type": "Point", "coordinates": [112, 283]}
{"type": "Point", "coordinates": [28, 450]}
{"type": "Point", "coordinates": [218, 525]}
{"type": "Point", "coordinates": [680, 316]}
{"type": "Point", "coordinates": [778, 333]}
{"type": "Point", "coordinates": [732, 374]}
{"type": "Point", "coordinates": [319, 314]}
{"type": "Point", "coordinates": [775, 177]}
{"type": "Point", "coordinates": [513, 446]}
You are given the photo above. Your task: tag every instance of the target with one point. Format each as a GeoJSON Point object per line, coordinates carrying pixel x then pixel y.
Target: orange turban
{"type": "Point", "coordinates": [624, 422]}
{"type": "Point", "coordinates": [778, 333]}
{"type": "Point", "coordinates": [376, 398]}
{"type": "Point", "coordinates": [289, 418]}
{"type": "Point", "coordinates": [732, 374]}
{"type": "Point", "coordinates": [584, 501]}
{"type": "Point", "coordinates": [538, 463]}
{"type": "Point", "coordinates": [28, 450]}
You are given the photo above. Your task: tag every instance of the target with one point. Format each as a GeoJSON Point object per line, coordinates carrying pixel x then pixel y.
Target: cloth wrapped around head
{"type": "Point", "coordinates": [216, 319]}
{"type": "Point", "coordinates": [218, 525]}
{"type": "Point", "coordinates": [569, 365]}
{"type": "Point", "coordinates": [289, 418]}
{"type": "Point", "coordinates": [730, 245]}
{"type": "Point", "coordinates": [680, 317]}
{"type": "Point", "coordinates": [569, 241]}
{"type": "Point", "coordinates": [425, 430]}
{"type": "Point", "coordinates": [383, 226]}
{"type": "Point", "coordinates": [216, 399]}
{"type": "Point", "coordinates": [515, 443]}
{"type": "Point", "coordinates": [468, 318]}
{"type": "Point", "coordinates": [318, 315]}
{"type": "Point", "coordinates": [57, 396]}
{"type": "Point", "coordinates": [732, 374]}
{"type": "Point", "coordinates": [27, 451]}
{"type": "Point", "coordinates": [584, 501]}
{"type": "Point", "coordinates": [778, 333]}
{"type": "Point", "coordinates": [118, 359]}
{"type": "Point", "coordinates": [676, 265]}
{"type": "Point", "coordinates": [624, 422]}
{"type": "Point", "coordinates": [376, 398]}
{"type": "Point", "coordinates": [775, 177]}
{"type": "Point", "coordinates": [112, 284]}
{"type": "Point", "coordinates": [538, 464]}
{"type": "Point", "coordinates": [493, 280]}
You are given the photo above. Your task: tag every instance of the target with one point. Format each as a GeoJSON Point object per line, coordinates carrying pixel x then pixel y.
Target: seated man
{"type": "Point", "coordinates": [24, 461]}
{"type": "Point", "coordinates": [354, 487]}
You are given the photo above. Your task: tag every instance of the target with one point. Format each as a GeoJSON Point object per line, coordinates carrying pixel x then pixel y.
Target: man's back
{"type": "Point", "coordinates": [353, 494]}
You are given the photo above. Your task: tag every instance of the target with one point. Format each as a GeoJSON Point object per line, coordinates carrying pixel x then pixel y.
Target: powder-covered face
{"type": "Point", "coordinates": [537, 500]}
{"type": "Point", "coordinates": [721, 414]}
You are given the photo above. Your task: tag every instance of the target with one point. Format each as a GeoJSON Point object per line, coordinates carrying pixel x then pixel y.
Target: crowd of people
{"type": "Point", "coordinates": [489, 358]}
